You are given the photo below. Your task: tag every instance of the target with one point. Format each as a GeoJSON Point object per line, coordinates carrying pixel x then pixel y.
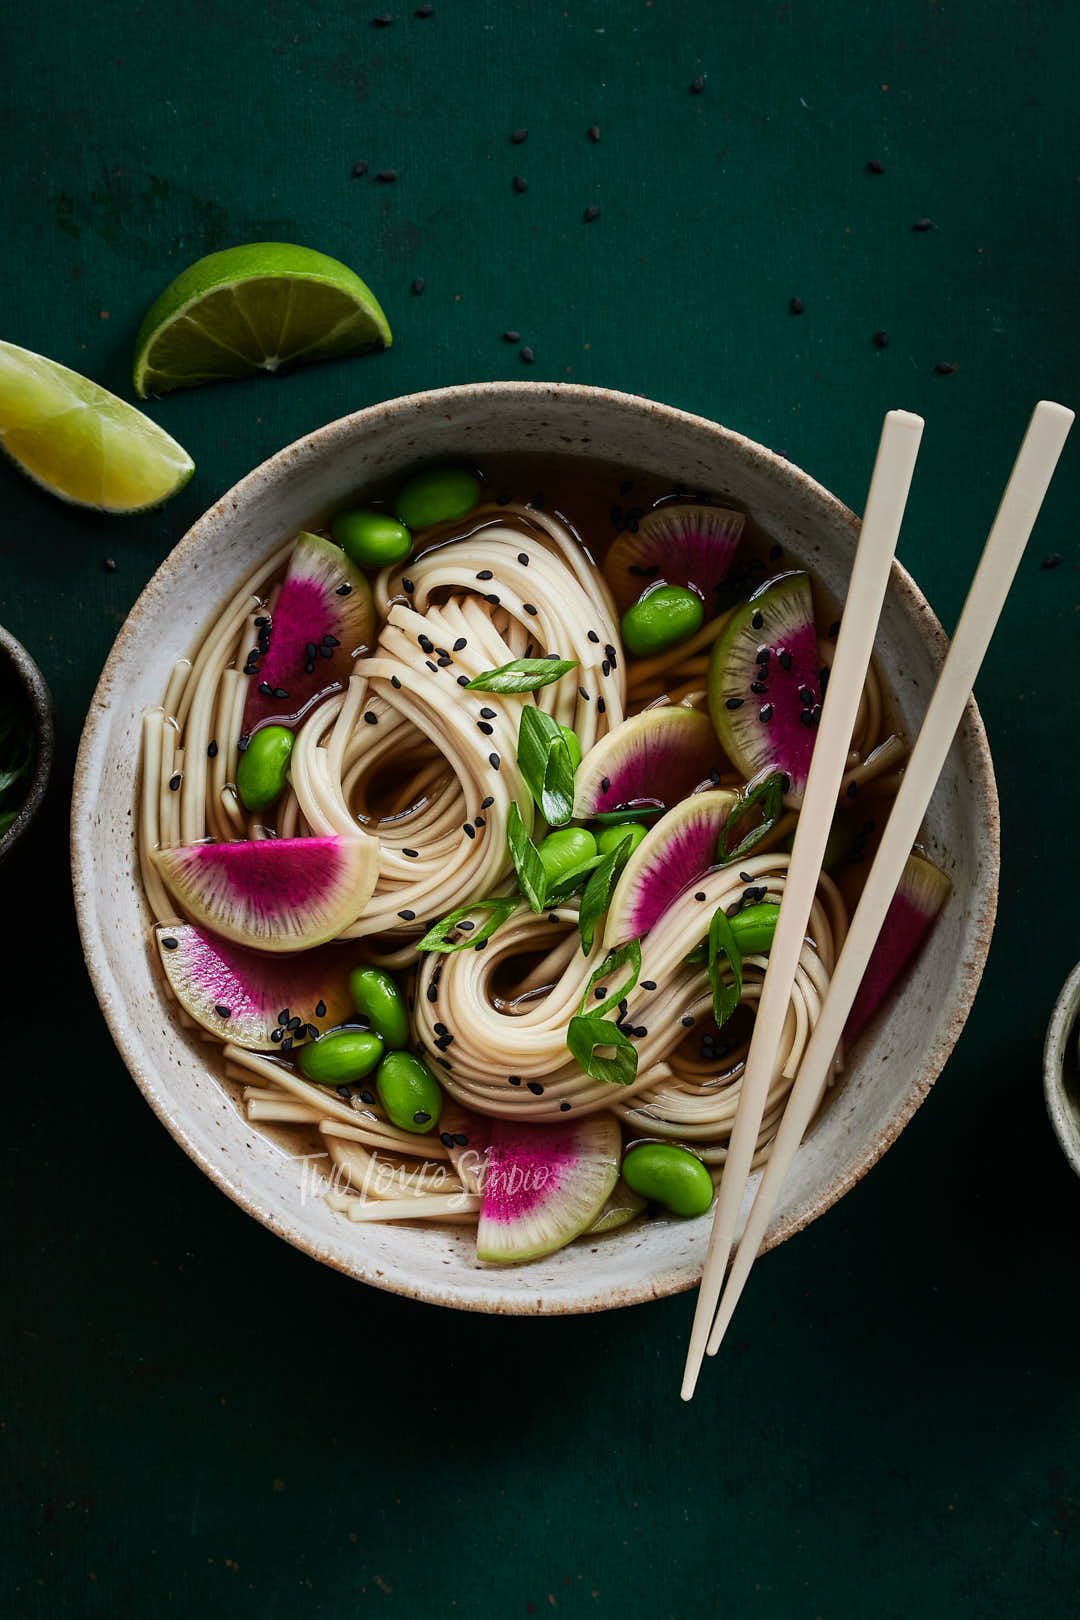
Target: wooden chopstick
{"type": "Point", "coordinates": [893, 469]}
{"type": "Point", "coordinates": [1012, 526]}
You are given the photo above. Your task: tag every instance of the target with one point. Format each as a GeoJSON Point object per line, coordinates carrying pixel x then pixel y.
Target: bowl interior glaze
{"type": "Point", "coordinates": [648, 1259]}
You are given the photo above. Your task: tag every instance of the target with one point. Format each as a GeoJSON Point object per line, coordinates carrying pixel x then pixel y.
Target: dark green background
{"type": "Point", "coordinates": [200, 1420]}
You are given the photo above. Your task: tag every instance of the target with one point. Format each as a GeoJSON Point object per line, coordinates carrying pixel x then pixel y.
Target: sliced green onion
{"type": "Point", "coordinates": [723, 944]}
{"type": "Point", "coordinates": [526, 858]}
{"type": "Point", "coordinates": [570, 882]}
{"type": "Point", "coordinates": [500, 908]}
{"type": "Point", "coordinates": [614, 960]}
{"type": "Point", "coordinates": [615, 818]}
{"type": "Point", "coordinates": [599, 889]}
{"type": "Point", "coordinates": [585, 1036]}
{"type": "Point", "coordinates": [545, 763]}
{"type": "Point", "coordinates": [769, 795]}
{"type": "Point", "coordinates": [523, 675]}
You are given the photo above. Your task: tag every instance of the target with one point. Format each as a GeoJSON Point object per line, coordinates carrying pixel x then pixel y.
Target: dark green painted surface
{"type": "Point", "coordinates": [199, 1420]}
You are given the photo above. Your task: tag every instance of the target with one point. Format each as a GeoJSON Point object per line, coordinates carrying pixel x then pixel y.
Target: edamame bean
{"type": "Point", "coordinates": [573, 745]}
{"type": "Point", "coordinates": [611, 837]}
{"type": "Point", "coordinates": [409, 1092]}
{"type": "Point", "coordinates": [340, 1057]}
{"type": "Point", "coordinates": [371, 539]}
{"type": "Point", "coordinates": [437, 495]}
{"type": "Point", "coordinates": [260, 775]}
{"type": "Point", "coordinates": [754, 928]}
{"type": "Point", "coordinates": [661, 619]}
{"type": "Point", "coordinates": [669, 1175]}
{"type": "Point", "coordinates": [566, 849]}
{"type": "Point", "coordinates": [376, 996]}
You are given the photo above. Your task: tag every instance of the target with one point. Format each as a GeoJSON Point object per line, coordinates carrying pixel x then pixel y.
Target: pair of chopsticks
{"type": "Point", "coordinates": [893, 469]}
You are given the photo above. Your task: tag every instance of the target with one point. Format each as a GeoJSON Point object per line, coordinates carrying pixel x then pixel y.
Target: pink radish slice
{"type": "Point", "coordinates": [922, 892]}
{"type": "Point", "coordinates": [274, 894]}
{"type": "Point", "coordinates": [323, 618]}
{"type": "Point", "coordinates": [675, 851]}
{"type": "Point", "coordinates": [682, 543]}
{"type": "Point", "coordinates": [656, 757]}
{"type": "Point", "coordinates": [544, 1185]}
{"type": "Point", "coordinates": [240, 995]}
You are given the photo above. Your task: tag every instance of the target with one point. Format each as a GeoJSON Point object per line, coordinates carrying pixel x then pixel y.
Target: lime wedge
{"type": "Point", "coordinates": [80, 442]}
{"type": "Point", "coordinates": [266, 306]}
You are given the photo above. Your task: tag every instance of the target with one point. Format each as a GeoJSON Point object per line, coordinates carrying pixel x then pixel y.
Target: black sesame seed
{"type": "Point", "coordinates": [785, 660]}
{"type": "Point", "coordinates": [407, 916]}
{"type": "Point", "coordinates": [280, 692]}
{"type": "Point", "coordinates": [553, 916]}
{"type": "Point", "coordinates": [518, 136]}
{"type": "Point", "coordinates": [395, 683]}
{"type": "Point", "coordinates": [170, 943]}
{"type": "Point", "coordinates": [446, 1139]}
{"type": "Point", "coordinates": [432, 993]}
{"type": "Point", "coordinates": [759, 688]}
{"type": "Point", "coordinates": [605, 784]}
{"type": "Point", "coordinates": [174, 782]}
{"type": "Point", "coordinates": [806, 694]}
{"type": "Point", "coordinates": [286, 1045]}
{"type": "Point", "coordinates": [688, 1021]}
{"type": "Point", "coordinates": [923, 224]}
{"type": "Point", "coordinates": [529, 608]}
{"type": "Point", "coordinates": [283, 1017]}
{"type": "Point", "coordinates": [536, 1088]}
{"type": "Point", "coordinates": [463, 680]}
{"type": "Point", "coordinates": [697, 85]}
{"type": "Point", "coordinates": [446, 1064]}
{"type": "Point", "coordinates": [492, 598]}
{"type": "Point", "coordinates": [460, 1139]}
{"type": "Point", "coordinates": [564, 1108]}
{"type": "Point", "coordinates": [493, 761]}
{"type": "Point", "coordinates": [757, 621]}
{"type": "Point", "coordinates": [387, 176]}
{"type": "Point", "coordinates": [421, 1117]}
{"type": "Point", "coordinates": [425, 642]}
{"type": "Point", "coordinates": [486, 804]}
{"type": "Point", "coordinates": [875, 166]}
{"type": "Point", "coordinates": [223, 1012]}
{"type": "Point", "coordinates": [734, 703]}
{"type": "Point", "coordinates": [591, 213]}
{"type": "Point", "coordinates": [407, 586]}
{"type": "Point", "coordinates": [320, 1009]}
{"type": "Point", "coordinates": [371, 719]}
{"type": "Point", "coordinates": [487, 713]}
{"type": "Point", "coordinates": [417, 287]}
{"type": "Point", "coordinates": [527, 356]}
{"type": "Point", "coordinates": [1053, 559]}
{"type": "Point", "coordinates": [523, 558]}
{"type": "Point", "coordinates": [945, 368]}
{"type": "Point", "coordinates": [343, 590]}
{"type": "Point", "coordinates": [765, 713]}
{"type": "Point", "coordinates": [648, 984]}
{"type": "Point", "coordinates": [513, 1079]}
{"type": "Point", "coordinates": [294, 1023]}
{"type": "Point", "coordinates": [466, 926]}
{"type": "Point", "coordinates": [310, 1031]}
{"type": "Point", "coordinates": [275, 1035]}
{"type": "Point", "coordinates": [785, 783]}
{"type": "Point", "coordinates": [366, 1096]}
{"type": "Point", "coordinates": [796, 306]}
{"type": "Point", "coordinates": [605, 668]}
{"type": "Point", "coordinates": [211, 752]}
{"type": "Point", "coordinates": [485, 727]}
{"type": "Point", "coordinates": [640, 1032]}
{"type": "Point", "coordinates": [601, 706]}
{"type": "Point", "coordinates": [511, 337]}
{"type": "Point", "coordinates": [460, 644]}
{"type": "Point", "coordinates": [428, 664]}
{"type": "Point", "coordinates": [881, 340]}
{"type": "Point", "coordinates": [520, 184]}
{"type": "Point", "coordinates": [485, 573]}
{"type": "Point", "coordinates": [468, 829]}
{"type": "Point", "coordinates": [763, 656]}
{"type": "Point", "coordinates": [600, 992]}
{"type": "Point", "coordinates": [593, 636]}
{"type": "Point", "coordinates": [700, 895]}
{"type": "Point", "coordinates": [411, 853]}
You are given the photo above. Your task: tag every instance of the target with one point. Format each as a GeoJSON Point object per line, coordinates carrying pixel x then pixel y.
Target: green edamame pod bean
{"type": "Point", "coordinates": [661, 619]}
{"type": "Point", "coordinates": [573, 745]}
{"type": "Point", "coordinates": [409, 1092]}
{"type": "Point", "coordinates": [338, 1058]}
{"type": "Point", "coordinates": [376, 996]}
{"type": "Point", "coordinates": [754, 928]}
{"type": "Point", "coordinates": [566, 849]}
{"type": "Point", "coordinates": [371, 539]}
{"type": "Point", "coordinates": [437, 495]}
{"type": "Point", "coordinates": [260, 775]}
{"type": "Point", "coordinates": [669, 1175]}
{"type": "Point", "coordinates": [611, 837]}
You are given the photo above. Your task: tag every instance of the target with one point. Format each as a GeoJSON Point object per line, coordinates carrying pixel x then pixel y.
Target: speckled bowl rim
{"type": "Point", "coordinates": [323, 441]}
{"type": "Point", "coordinates": [1058, 1030]}
{"type": "Point", "coordinates": [40, 700]}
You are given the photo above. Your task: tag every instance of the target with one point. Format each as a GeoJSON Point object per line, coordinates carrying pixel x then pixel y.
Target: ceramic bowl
{"type": "Point", "coordinates": [24, 674]}
{"type": "Point", "coordinates": [1061, 1079]}
{"type": "Point", "coordinates": [310, 478]}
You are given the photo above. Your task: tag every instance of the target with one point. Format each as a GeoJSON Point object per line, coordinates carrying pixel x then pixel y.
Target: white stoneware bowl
{"type": "Point", "coordinates": [1060, 1081]}
{"type": "Point", "coordinates": [308, 479]}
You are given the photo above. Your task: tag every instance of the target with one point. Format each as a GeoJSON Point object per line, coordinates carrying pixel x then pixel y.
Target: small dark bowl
{"type": "Point", "coordinates": [16, 662]}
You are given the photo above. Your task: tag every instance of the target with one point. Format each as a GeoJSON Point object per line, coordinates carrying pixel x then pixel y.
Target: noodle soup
{"type": "Point", "coordinates": [466, 837]}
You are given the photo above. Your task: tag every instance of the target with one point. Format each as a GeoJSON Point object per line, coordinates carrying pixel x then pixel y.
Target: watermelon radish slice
{"type": "Point", "coordinates": [764, 689]}
{"type": "Point", "coordinates": [275, 894]}
{"type": "Point", "coordinates": [673, 853]}
{"type": "Point", "coordinates": [323, 618]}
{"type": "Point", "coordinates": [653, 759]}
{"type": "Point", "coordinates": [240, 995]}
{"type": "Point", "coordinates": [679, 544]}
{"type": "Point", "coordinates": [544, 1185]}
{"type": "Point", "coordinates": [466, 1137]}
{"type": "Point", "coordinates": [922, 891]}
